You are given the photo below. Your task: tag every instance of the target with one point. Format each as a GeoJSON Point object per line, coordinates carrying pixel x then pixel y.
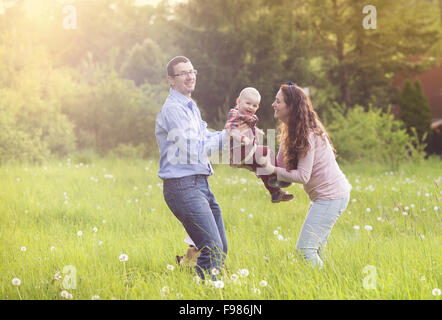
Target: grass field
{"type": "Point", "coordinates": [64, 226]}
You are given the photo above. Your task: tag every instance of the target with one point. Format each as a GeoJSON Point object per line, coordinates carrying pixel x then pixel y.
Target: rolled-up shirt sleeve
{"type": "Point", "coordinates": [196, 143]}
{"type": "Point", "coordinates": [213, 141]}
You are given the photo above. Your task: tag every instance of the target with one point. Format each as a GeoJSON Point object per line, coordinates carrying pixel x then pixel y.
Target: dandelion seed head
{"type": "Point", "coordinates": [64, 294]}
{"type": "Point", "coordinates": [219, 284]}
{"type": "Point", "coordinates": [16, 282]}
{"type": "Point", "coordinates": [170, 267]}
{"type": "Point", "coordinates": [263, 283]}
{"type": "Point", "coordinates": [23, 249]}
{"type": "Point", "coordinates": [123, 257]}
{"type": "Point", "coordinates": [243, 272]}
{"type": "Point", "coordinates": [80, 233]}
{"type": "Point", "coordinates": [436, 292]}
{"type": "Point", "coordinates": [57, 275]}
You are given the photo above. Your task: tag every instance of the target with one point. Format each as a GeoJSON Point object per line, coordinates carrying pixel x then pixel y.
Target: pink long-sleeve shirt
{"type": "Point", "coordinates": [318, 171]}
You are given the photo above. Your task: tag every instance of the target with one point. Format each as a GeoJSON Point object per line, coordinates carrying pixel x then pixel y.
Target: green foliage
{"type": "Point", "coordinates": [414, 109]}
{"type": "Point", "coordinates": [370, 136]}
{"type": "Point", "coordinates": [110, 111]}
{"type": "Point", "coordinates": [361, 64]}
{"type": "Point", "coordinates": [145, 63]}
{"type": "Point", "coordinates": [32, 125]}
{"type": "Point", "coordinates": [55, 81]}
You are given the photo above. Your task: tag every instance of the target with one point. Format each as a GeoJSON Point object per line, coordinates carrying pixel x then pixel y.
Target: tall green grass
{"type": "Point", "coordinates": [42, 208]}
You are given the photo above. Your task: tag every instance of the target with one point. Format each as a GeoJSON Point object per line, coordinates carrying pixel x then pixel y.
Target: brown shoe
{"type": "Point", "coordinates": [281, 195]}
{"type": "Point", "coordinates": [190, 257]}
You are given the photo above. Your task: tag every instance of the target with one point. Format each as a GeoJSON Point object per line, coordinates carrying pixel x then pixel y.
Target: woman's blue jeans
{"type": "Point", "coordinates": [320, 219]}
{"type": "Point", "coordinates": [194, 204]}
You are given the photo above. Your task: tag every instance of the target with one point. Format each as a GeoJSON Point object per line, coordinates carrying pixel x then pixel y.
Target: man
{"type": "Point", "coordinates": [185, 143]}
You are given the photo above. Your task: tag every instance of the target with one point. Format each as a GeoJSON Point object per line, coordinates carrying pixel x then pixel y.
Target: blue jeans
{"type": "Point", "coordinates": [321, 217]}
{"type": "Point", "coordinates": [193, 203]}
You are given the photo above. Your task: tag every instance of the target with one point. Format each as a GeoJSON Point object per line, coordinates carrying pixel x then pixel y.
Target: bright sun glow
{"type": "Point", "coordinates": [154, 2]}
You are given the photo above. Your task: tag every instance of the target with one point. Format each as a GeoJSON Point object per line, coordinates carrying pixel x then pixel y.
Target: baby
{"type": "Point", "coordinates": [244, 149]}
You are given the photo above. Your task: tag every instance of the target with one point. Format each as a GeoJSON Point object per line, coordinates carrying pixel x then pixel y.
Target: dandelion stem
{"type": "Point", "coordinates": [127, 281]}
{"type": "Point", "coordinates": [19, 294]}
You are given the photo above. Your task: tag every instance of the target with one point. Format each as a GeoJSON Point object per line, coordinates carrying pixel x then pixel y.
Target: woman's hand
{"type": "Point", "coordinates": [267, 168]}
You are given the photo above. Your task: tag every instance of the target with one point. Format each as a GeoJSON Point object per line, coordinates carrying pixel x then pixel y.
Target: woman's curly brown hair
{"type": "Point", "coordinates": [302, 120]}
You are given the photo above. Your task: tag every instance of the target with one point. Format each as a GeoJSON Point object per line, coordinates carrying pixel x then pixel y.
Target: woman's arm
{"type": "Point", "coordinates": [304, 170]}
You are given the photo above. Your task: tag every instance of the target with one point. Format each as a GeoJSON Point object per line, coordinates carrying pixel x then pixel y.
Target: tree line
{"type": "Point", "coordinates": [99, 85]}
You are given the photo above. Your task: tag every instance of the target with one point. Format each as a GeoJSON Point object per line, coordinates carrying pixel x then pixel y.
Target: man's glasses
{"type": "Point", "coordinates": [184, 74]}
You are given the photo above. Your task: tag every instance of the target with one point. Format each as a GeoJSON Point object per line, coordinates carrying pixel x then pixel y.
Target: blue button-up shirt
{"type": "Point", "coordinates": [183, 139]}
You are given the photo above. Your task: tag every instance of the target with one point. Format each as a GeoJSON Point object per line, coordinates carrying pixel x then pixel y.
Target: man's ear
{"type": "Point", "coordinates": [171, 81]}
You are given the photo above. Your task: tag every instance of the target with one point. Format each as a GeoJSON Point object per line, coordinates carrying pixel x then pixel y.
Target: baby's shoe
{"type": "Point", "coordinates": [281, 195]}
{"type": "Point", "coordinates": [274, 183]}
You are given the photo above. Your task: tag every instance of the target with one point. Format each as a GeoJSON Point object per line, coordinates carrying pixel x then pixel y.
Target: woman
{"type": "Point", "coordinates": [306, 155]}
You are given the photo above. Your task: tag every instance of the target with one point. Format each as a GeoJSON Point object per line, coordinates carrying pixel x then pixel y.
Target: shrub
{"type": "Point", "coordinates": [32, 130]}
{"type": "Point", "coordinates": [370, 136]}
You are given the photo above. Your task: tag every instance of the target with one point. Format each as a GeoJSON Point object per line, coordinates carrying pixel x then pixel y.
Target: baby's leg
{"type": "Point", "coordinates": [260, 153]}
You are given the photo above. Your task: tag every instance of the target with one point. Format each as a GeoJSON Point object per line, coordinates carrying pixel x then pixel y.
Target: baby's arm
{"type": "Point", "coordinates": [238, 137]}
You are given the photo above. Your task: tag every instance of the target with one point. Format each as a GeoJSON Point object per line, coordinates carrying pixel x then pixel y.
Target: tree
{"type": "Point", "coordinates": [361, 63]}
{"type": "Point", "coordinates": [414, 109]}
{"type": "Point", "coordinates": [145, 63]}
